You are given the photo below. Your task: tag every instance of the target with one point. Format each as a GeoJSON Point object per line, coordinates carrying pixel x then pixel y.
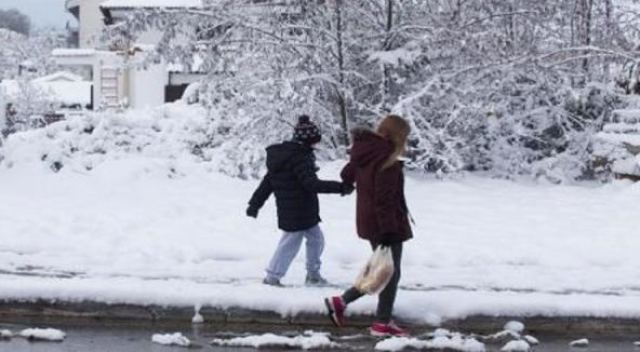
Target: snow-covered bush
{"type": "Point", "coordinates": [168, 133]}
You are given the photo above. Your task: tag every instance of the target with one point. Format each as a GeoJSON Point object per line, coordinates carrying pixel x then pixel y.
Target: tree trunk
{"type": "Point", "coordinates": [386, 93]}
{"type": "Point", "coordinates": [608, 37]}
{"type": "Point", "coordinates": [511, 31]}
{"type": "Point", "coordinates": [573, 26]}
{"type": "Point", "coordinates": [588, 6]}
{"type": "Point", "coordinates": [342, 100]}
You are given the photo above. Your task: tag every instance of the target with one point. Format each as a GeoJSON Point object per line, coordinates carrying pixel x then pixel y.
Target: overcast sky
{"type": "Point", "coordinates": [42, 12]}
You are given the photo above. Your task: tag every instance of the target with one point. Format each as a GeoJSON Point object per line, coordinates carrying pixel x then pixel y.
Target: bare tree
{"type": "Point", "coordinates": [486, 84]}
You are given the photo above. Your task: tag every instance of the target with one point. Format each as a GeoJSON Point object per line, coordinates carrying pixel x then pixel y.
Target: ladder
{"type": "Point", "coordinates": [109, 87]}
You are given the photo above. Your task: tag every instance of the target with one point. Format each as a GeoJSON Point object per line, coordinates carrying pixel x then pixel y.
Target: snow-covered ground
{"type": "Point", "coordinates": [125, 232]}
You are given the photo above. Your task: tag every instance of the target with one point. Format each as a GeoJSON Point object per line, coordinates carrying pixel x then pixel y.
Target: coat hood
{"type": "Point", "coordinates": [278, 155]}
{"type": "Point", "coordinates": [369, 147]}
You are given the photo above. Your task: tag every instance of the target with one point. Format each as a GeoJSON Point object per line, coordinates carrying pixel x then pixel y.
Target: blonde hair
{"type": "Point", "coordinates": [396, 129]}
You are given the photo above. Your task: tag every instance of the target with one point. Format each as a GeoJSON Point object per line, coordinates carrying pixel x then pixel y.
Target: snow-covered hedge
{"type": "Point", "coordinates": [502, 142]}
{"type": "Point", "coordinates": [172, 135]}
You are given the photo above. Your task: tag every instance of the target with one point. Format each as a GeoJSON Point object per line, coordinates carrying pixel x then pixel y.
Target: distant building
{"type": "Point", "coordinates": [64, 92]}
{"type": "Point", "coordinates": [118, 78]}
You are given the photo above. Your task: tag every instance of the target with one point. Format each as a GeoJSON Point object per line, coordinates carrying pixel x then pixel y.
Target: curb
{"type": "Point", "coordinates": [96, 313]}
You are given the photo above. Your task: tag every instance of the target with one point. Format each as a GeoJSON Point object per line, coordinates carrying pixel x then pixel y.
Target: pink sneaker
{"type": "Point", "coordinates": [386, 330]}
{"type": "Point", "coordinates": [336, 308]}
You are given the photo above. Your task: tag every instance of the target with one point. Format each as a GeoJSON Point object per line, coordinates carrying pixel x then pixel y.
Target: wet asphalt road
{"type": "Point", "coordinates": [138, 339]}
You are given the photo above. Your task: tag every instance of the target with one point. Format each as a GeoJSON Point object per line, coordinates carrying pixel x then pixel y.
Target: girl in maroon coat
{"type": "Point", "coordinates": [382, 216]}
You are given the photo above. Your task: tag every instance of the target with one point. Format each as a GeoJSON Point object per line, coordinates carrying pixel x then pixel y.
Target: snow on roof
{"type": "Point", "coordinates": [78, 92]}
{"type": "Point", "coordinates": [150, 3]}
{"type": "Point", "coordinates": [73, 52]}
{"type": "Point", "coordinates": [70, 92]}
{"type": "Point", "coordinates": [61, 76]}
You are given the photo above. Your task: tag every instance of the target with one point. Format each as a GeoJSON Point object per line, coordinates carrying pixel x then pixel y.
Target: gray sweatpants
{"type": "Point", "coordinates": [387, 297]}
{"type": "Point", "coordinates": [288, 248]}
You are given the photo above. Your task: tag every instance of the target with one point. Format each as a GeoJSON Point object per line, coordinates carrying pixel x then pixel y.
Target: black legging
{"type": "Point", "coordinates": [387, 297]}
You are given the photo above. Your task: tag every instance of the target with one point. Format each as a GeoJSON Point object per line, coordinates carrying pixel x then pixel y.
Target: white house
{"type": "Point", "coordinates": [119, 80]}
{"type": "Point", "coordinates": [65, 92]}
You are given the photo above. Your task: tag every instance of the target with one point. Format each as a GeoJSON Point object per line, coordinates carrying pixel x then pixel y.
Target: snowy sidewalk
{"type": "Point", "coordinates": [482, 247]}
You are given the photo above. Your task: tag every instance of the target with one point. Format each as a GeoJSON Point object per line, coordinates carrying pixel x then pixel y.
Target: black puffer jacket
{"type": "Point", "coordinates": [292, 178]}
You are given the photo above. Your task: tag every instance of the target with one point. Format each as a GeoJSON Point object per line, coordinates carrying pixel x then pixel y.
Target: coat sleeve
{"type": "Point", "coordinates": [261, 193]}
{"type": "Point", "coordinates": [385, 188]}
{"type": "Point", "coordinates": [305, 171]}
{"type": "Point", "coordinates": [348, 174]}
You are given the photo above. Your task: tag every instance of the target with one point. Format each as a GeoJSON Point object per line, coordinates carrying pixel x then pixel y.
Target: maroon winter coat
{"type": "Point", "coordinates": [381, 210]}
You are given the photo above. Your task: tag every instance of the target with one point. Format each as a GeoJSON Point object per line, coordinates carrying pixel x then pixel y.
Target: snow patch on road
{"type": "Point", "coordinates": [39, 334]}
{"type": "Point", "coordinates": [579, 343]}
{"type": "Point", "coordinates": [516, 346]}
{"type": "Point", "coordinates": [310, 340]}
{"type": "Point", "coordinates": [175, 339]}
{"type": "Point", "coordinates": [455, 342]}
{"type": "Point", "coordinates": [531, 340]}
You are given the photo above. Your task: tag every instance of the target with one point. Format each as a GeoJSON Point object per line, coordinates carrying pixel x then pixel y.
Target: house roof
{"type": "Point", "coordinates": [61, 76]}
{"type": "Point", "coordinates": [114, 4]}
{"type": "Point", "coordinates": [73, 52]}
{"type": "Point", "coordinates": [66, 92]}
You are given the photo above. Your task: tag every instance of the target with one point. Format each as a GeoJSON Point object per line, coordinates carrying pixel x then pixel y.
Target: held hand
{"type": "Point", "coordinates": [347, 189]}
{"type": "Point", "coordinates": [252, 212]}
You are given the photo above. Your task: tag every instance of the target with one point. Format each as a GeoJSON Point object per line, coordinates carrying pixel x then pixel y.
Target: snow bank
{"type": "Point", "coordinates": [47, 334]}
{"type": "Point", "coordinates": [305, 342]}
{"type": "Point", "coordinates": [175, 339]}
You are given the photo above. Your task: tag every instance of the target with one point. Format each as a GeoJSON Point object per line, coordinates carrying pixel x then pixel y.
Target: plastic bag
{"type": "Point", "coordinates": [375, 276]}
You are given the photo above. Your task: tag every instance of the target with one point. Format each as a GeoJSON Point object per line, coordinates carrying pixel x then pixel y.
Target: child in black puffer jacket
{"type": "Point", "coordinates": [291, 176]}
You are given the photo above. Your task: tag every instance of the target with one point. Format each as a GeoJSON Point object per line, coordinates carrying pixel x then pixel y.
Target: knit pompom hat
{"type": "Point", "coordinates": [306, 131]}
